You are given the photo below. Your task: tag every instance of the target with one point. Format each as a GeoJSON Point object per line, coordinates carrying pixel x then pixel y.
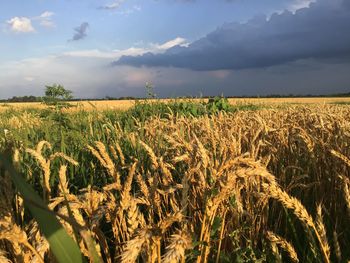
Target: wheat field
{"type": "Point", "coordinates": [127, 104]}
{"type": "Point", "coordinates": [267, 185]}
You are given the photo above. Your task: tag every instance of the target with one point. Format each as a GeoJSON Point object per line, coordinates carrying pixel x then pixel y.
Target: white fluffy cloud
{"type": "Point", "coordinates": [25, 24]}
{"type": "Point", "coordinates": [21, 25]}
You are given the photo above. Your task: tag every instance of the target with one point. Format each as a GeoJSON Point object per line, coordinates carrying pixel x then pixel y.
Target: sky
{"type": "Point", "coordinates": [99, 48]}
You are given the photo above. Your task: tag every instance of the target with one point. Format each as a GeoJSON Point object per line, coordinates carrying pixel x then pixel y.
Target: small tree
{"type": "Point", "coordinates": [150, 91]}
{"type": "Point", "coordinates": [56, 95]}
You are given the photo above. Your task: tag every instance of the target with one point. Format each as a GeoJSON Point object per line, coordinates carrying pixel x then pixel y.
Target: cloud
{"type": "Point", "coordinates": [47, 14]}
{"type": "Point", "coordinates": [161, 48]}
{"type": "Point", "coordinates": [132, 51]}
{"type": "Point", "coordinates": [298, 4]}
{"type": "Point", "coordinates": [95, 53]}
{"type": "Point", "coordinates": [179, 41]}
{"type": "Point", "coordinates": [21, 25]}
{"type": "Point", "coordinates": [318, 32]}
{"type": "Point", "coordinates": [115, 5]}
{"type": "Point", "coordinates": [29, 78]}
{"type": "Point", "coordinates": [45, 19]}
{"type": "Point", "coordinates": [129, 11]}
{"type": "Point", "coordinates": [25, 24]}
{"type": "Point", "coordinates": [80, 32]}
{"type": "Point", "coordinates": [88, 77]}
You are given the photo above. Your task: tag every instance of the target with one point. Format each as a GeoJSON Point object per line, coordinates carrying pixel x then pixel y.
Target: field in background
{"type": "Point", "coordinates": [127, 104]}
{"type": "Point", "coordinates": [186, 183]}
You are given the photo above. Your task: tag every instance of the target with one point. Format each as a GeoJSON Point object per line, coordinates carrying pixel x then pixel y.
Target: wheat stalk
{"type": "Point", "coordinates": [346, 191]}
{"type": "Point", "coordinates": [298, 209]}
{"type": "Point", "coordinates": [175, 251]}
{"type": "Point", "coordinates": [284, 244]}
{"type": "Point", "coordinates": [41, 144]}
{"type": "Point", "coordinates": [120, 152]}
{"type": "Point", "coordinates": [133, 217]}
{"type": "Point", "coordinates": [63, 185]}
{"type": "Point", "coordinates": [45, 166]}
{"type": "Point", "coordinates": [337, 250]}
{"type": "Point", "coordinates": [63, 156]}
{"type": "Point", "coordinates": [322, 231]}
{"type": "Point", "coordinates": [341, 156]}
{"type": "Point", "coordinates": [3, 258]}
{"type": "Point", "coordinates": [151, 155]}
{"type": "Point", "coordinates": [102, 155]}
{"type": "Point", "coordinates": [143, 186]}
{"type": "Point", "coordinates": [134, 246]}
{"type": "Point", "coordinates": [202, 152]}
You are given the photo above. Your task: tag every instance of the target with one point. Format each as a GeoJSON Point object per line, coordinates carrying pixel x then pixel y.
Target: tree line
{"type": "Point", "coordinates": [56, 93]}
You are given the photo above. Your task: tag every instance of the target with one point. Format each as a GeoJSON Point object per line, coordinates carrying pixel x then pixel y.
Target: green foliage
{"type": "Point", "coordinates": [218, 104]}
{"type": "Point", "coordinates": [150, 91]}
{"type": "Point", "coordinates": [56, 95]}
{"type": "Point", "coordinates": [24, 99]}
{"type": "Point", "coordinates": [143, 110]}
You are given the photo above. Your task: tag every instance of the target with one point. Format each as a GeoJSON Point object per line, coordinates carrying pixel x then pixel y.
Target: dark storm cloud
{"type": "Point", "coordinates": [80, 32]}
{"type": "Point", "coordinates": [319, 32]}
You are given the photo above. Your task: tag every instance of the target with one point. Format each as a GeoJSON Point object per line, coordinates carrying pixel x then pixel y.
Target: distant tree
{"type": "Point", "coordinates": [150, 91]}
{"type": "Point", "coordinates": [24, 99]}
{"type": "Point", "coordinates": [57, 95]}
{"type": "Point", "coordinates": [109, 98]}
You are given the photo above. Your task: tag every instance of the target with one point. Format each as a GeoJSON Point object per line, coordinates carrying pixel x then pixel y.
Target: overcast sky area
{"type": "Point", "coordinates": [99, 48]}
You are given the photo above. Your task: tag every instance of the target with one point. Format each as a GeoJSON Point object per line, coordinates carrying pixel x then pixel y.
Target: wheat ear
{"type": "Point", "coordinates": [322, 231]}
{"type": "Point", "coordinates": [275, 192]}
{"type": "Point", "coordinates": [175, 251]}
{"type": "Point", "coordinates": [284, 244]}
